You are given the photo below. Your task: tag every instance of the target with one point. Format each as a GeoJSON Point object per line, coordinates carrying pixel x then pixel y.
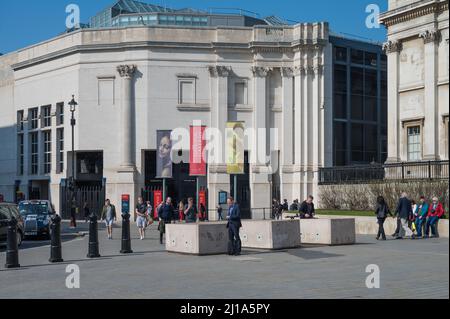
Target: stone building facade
{"type": "Point", "coordinates": [418, 77]}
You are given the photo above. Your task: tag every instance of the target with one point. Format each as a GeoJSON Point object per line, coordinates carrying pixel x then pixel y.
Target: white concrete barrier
{"type": "Point", "coordinates": [270, 234]}
{"type": "Point", "coordinates": [197, 238]}
{"type": "Point", "coordinates": [328, 231]}
{"type": "Point", "coordinates": [369, 226]}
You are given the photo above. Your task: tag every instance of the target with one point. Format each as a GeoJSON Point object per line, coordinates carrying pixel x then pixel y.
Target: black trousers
{"type": "Point", "coordinates": [381, 232]}
{"type": "Point", "coordinates": [234, 240]}
{"type": "Point", "coordinates": [399, 225]}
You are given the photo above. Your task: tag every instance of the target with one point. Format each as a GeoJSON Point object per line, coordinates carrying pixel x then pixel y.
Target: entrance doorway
{"type": "Point", "coordinates": [243, 190]}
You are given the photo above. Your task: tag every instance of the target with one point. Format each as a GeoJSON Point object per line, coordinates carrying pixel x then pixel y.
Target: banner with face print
{"type": "Point", "coordinates": [163, 154]}
{"type": "Point", "coordinates": [234, 151]}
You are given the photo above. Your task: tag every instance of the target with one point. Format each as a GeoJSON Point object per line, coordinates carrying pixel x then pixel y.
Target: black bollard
{"type": "Point", "coordinates": [126, 240]}
{"type": "Point", "coordinates": [12, 252]}
{"type": "Point", "coordinates": [93, 237]}
{"type": "Point", "coordinates": [55, 250]}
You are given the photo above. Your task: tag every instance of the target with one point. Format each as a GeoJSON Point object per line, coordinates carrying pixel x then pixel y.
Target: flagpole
{"type": "Point", "coordinates": [235, 188]}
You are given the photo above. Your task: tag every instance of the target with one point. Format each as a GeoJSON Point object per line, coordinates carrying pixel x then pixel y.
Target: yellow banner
{"type": "Point", "coordinates": [234, 152]}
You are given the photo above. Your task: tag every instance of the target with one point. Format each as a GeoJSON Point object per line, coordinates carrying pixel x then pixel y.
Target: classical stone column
{"type": "Point", "coordinates": [127, 73]}
{"type": "Point", "coordinates": [218, 180]}
{"type": "Point", "coordinates": [124, 182]}
{"type": "Point", "coordinates": [431, 124]}
{"type": "Point", "coordinates": [287, 159]}
{"type": "Point", "coordinates": [316, 128]}
{"type": "Point", "coordinates": [260, 186]}
{"type": "Point", "coordinates": [299, 72]}
{"type": "Point", "coordinates": [392, 49]}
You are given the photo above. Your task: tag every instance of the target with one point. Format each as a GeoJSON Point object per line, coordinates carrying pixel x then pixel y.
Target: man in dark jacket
{"type": "Point", "coordinates": [165, 214]}
{"type": "Point", "coordinates": [307, 208]}
{"type": "Point", "coordinates": [404, 211]}
{"type": "Point", "coordinates": [234, 224]}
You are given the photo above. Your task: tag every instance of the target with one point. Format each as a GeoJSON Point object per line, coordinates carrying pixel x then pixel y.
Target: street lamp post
{"type": "Point", "coordinates": [73, 105]}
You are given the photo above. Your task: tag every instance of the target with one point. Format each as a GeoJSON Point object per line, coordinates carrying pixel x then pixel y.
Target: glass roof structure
{"type": "Point", "coordinates": [125, 13]}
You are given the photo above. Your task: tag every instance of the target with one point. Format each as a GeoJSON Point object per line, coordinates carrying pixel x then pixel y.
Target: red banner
{"type": "Point", "coordinates": [197, 163]}
{"type": "Point", "coordinates": [157, 199]}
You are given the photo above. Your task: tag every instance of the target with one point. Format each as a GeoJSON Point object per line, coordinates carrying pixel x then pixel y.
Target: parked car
{"type": "Point", "coordinates": [37, 215]}
{"type": "Point", "coordinates": [7, 211]}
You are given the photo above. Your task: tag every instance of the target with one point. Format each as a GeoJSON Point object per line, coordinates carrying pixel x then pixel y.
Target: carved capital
{"type": "Point", "coordinates": [299, 70]}
{"type": "Point", "coordinates": [262, 72]}
{"type": "Point", "coordinates": [219, 71]}
{"type": "Point", "coordinates": [429, 36]}
{"type": "Point", "coordinates": [392, 46]}
{"type": "Point", "coordinates": [287, 72]}
{"type": "Point", "coordinates": [127, 71]}
{"type": "Point", "coordinates": [318, 69]}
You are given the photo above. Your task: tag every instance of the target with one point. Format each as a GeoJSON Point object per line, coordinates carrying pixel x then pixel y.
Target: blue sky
{"type": "Point", "coordinates": [27, 22]}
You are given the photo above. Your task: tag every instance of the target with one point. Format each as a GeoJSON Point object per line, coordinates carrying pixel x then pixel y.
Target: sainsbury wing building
{"type": "Point", "coordinates": [315, 99]}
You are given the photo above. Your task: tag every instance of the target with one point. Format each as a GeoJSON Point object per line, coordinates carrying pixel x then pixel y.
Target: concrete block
{"type": "Point", "coordinates": [197, 238]}
{"type": "Point", "coordinates": [270, 234]}
{"type": "Point", "coordinates": [328, 231]}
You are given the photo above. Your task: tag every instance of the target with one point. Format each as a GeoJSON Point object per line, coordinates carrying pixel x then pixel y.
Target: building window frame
{"type": "Point", "coordinates": [34, 153]}
{"type": "Point", "coordinates": [46, 116]}
{"type": "Point", "coordinates": [60, 113]}
{"type": "Point", "coordinates": [243, 82]}
{"type": "Point", "coordinates": [20, 154]}
{"type": "Point", "coordinates": [60, 150]}
{"type": "Point", "coordinates": [187, 80]}
{"type": "Point", "coordinates": [407, 126]}
{"type": "Point", "coordinates": [33, 118]}
{"type": "Point", "coordinates": [20, 120]}
{"type": "Point", "coordinates": [47, 151]}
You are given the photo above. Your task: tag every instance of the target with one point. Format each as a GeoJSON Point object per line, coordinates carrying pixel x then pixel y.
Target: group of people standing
{"type": "Point", "coordinates": [166, 213]}
{"type": "Point", "coordinates": [304, 210]}
{"type": "Point", "coordinates": [413, 220]}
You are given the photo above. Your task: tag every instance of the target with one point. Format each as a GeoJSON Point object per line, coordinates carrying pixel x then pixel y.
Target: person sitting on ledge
{"type": "Point", "coordinates": [307, 208]}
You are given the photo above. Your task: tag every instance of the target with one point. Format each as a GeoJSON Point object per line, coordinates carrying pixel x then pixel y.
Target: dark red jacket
{"type": "Point", "coordinates": [438, 212]}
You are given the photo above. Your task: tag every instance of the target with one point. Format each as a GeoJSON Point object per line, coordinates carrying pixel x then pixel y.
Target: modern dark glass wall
{"type": "Point", "coordinates": [359, 102]}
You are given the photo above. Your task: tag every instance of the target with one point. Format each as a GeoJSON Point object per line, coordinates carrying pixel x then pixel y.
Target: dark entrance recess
{"type": "Point", "coordinates": [89, 185]}
{"type": "Point", "coordinates": [243, 190]}
{"type": "Point", "coordinates": [180, 187]}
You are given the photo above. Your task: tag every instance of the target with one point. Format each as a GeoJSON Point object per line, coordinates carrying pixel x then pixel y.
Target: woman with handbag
{"type": "Point", "coordinates": [382, 211]}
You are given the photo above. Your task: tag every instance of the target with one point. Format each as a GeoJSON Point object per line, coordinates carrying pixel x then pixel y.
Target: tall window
{"type": "Point", "coordinates": [20, 152]}
{"type": "Point", "coordinates": [414, 144]}
{"type": "Point", "coordinates": [47, 139]}
{"type": "Point", "coordinates": [34, 155]}
{"type": "Point", "coordinates": [20, 121]}
{"type": "Point", "coordinates": [46, 116]}
{"type": "Point", "coordinates": [33, 118]}
{"type": "Point", "coordinates": [60, 113]}
{"type": "Point", "coordinates": [60, 150]}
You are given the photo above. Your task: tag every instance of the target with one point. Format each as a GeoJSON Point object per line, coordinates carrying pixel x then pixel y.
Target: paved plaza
{"type": "Point", "coordinates": [408, 269]}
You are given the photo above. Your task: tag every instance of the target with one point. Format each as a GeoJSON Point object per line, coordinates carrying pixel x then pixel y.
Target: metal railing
{"type": "Point", "coordinates": [405, 171]}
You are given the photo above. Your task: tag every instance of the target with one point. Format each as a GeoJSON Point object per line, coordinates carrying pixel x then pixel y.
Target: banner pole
{"type": "Point", "coordinates": [235, 188]}
{"type": "Point", "coordinates": [197, 187]}
{"type": "Point", "coordinates": [164, 190]}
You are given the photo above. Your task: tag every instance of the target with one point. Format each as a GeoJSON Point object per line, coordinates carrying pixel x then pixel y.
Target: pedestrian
{"type": "Point", "coordinates": [435, 212]}
{"type": "Point", "coordinates": [203, 214]}
{"type": "Point", "coordinates": [165, 214]}
{"type": "Point", "coordinates": [141, 219]}
{"type": "Point", "coordinates": [404, 212]}
{"type": "Point", "coordinates": [109, 216]}
{"type": "Point", "coordinates": [233, 225]}
{"type": "Point", "coordinates": [285, 206]}
{"type": "Point", "coordinates": [307, 208]}
{"type": "Point", "coordinates": [294, 206]}
{"type": "Point", "coordinates": [219, 212]}
{"type": "Point", "coordinates": [382, 211]}
{"type": "Point", "coordinates": [421, 213]}
{"type": "Point", "coordinates": [86, 211]}
{"type": "Point", "coordinates": [73, 213]}
{"type": "Point", "coordinates": [181, 211]}
{"type": "Point", "coordinates": [190, 211]}
{"type": "Point", "coordinates": [275, 207]}
{"type": "Point", "coordinates": [411, 220]}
